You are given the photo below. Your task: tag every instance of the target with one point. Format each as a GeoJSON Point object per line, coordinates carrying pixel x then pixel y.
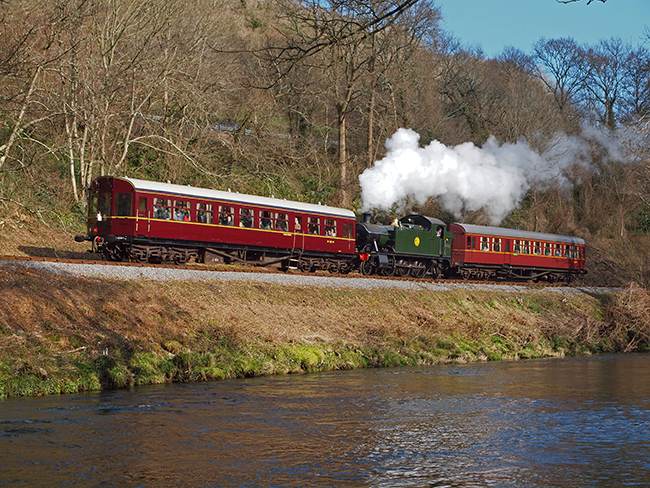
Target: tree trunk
{"type": "Point", "coordinates": [343, 159]}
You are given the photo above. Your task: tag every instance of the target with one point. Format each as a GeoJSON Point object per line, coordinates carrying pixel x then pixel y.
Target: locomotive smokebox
{"type": "Point", "coordinates": [375, 236]}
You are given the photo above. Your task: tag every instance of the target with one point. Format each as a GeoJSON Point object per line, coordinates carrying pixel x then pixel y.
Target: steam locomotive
{"type": "Point", "coordinates": [144, 221]}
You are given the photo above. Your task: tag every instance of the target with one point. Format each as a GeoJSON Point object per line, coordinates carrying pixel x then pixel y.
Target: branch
{"type": "Point", "coordinates": [572, 1]}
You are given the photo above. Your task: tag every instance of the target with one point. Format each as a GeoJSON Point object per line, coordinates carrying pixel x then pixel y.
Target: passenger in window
{"type": "Point", "coordinates": [186, 216]}
{"type": "Point", "coordinates": [229, 220]}
{"type": "Point", "coordinates": [439, 232]}
{"type": "Point", "coordinates": [297, 227]}
{"type": "Point", "coordinates": [265, 224]}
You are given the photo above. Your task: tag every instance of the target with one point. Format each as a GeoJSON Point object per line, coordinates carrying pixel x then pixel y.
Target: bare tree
{"type": "Point", "coordinates": [605, 80]}
{"type": "Point", "coordinates": [636, 95]}
{"type": "Point", "coordinates": [338, 36]}
{"type": "Point", "coordinates": [561, 65]}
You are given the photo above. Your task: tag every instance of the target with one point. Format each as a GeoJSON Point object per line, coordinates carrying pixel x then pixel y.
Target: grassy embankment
{"type": "Point", "coordinates": [64, 335]}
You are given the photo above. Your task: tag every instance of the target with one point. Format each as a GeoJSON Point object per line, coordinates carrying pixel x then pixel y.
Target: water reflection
{"type": "Point", "coordinates": [537, 423]}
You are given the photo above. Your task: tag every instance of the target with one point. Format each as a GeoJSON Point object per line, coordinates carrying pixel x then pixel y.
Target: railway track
{"type": "Point", "coordinates": [251, 269]}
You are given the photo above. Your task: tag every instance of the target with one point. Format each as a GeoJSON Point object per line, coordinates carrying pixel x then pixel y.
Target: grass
{"type": "Point", "coordinates": [65, 335]}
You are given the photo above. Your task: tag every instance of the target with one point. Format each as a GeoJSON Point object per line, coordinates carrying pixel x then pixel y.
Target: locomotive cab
{"type": "Point", "coordinates": [418, 234]}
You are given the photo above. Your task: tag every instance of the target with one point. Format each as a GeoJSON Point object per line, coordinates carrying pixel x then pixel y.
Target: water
{"type": "Point", "coordinates": [565, 423]}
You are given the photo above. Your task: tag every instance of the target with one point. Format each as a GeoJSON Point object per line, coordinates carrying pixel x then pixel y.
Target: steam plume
{"type": "Point", "coordinates": [495, 176]}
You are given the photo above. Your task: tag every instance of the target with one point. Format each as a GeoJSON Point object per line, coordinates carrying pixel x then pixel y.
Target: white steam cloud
{"type": "Point", "coordinates": [494, 177]}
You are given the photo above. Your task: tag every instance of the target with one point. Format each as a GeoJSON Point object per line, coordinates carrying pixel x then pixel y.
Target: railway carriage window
{"type": "Point", "coordinates": [297, 224]}
{"type": "Point", "coordinates": [497, 244]}
{"type": "Point", "coordinates": [330, 227]}
{"type": "Point", "coordinates": [92, 205]}
{"type": "Point", "coordinates": [162, 208]}
{"type": "Point", "coordinates": [181, 210]}
{"type": "Point", "coordinates": [246, 217]}
{"type": "Point", "coordinates": [547, 249]}
{"type": "Point", "coordinates": [566, 251]}
{"type": "Point", "coordinates": [469, 242]}
{"type": "Point", "coordinates": [281, 222]}
{"type": "Point", "coordinates": [313, 225]}
{"type": "Point", "coordinates": [574, 252]}
{"type": "Point", "coordinates": [558, 250]}
{"type": "Point", "coordinates": [537, 248]}
{"type": "Point", "coordinates": [517, 247]}
{"type": "Point", "coordinates": [226, 215]}
{"type": "Point", "coordinates": [105, 204]}
{"type": "Point", "coordinates": [142, 205]}
{"type": "Point", "coordinates": [266, 220]}
{"type": "Point", "coordinates": [485, 243]}
{"type": "Point", "coordinates": [204, 213]}
{"type": "Point", "coordinates": [345, 230]}
{"type": "Point", "coordinates": [526, 249]}
{"type": "Point", "coordinates": [123, 207]}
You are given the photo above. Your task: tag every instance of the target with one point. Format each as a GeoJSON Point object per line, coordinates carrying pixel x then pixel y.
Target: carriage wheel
{"type": "Point", "coordinates": [304, 265]}
{"type": "Point", "coordinates": [333, 267]}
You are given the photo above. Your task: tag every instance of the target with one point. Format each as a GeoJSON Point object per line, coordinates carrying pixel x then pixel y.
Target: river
{"type": "Point", "coordinates": [566, 423]}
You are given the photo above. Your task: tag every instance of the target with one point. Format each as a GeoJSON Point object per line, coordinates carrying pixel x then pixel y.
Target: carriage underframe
{"type": "Point", "coordinates": [159, 251]}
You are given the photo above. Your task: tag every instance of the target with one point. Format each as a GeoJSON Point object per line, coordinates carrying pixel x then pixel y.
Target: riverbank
{"type": "Point", "coordinates": [65, 334]}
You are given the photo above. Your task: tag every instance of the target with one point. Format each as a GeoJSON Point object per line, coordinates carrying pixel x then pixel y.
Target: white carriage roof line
{"type": "Point", "coordinates": [519, 234]}
{"type": "Point", "coordinates": [194, 192]}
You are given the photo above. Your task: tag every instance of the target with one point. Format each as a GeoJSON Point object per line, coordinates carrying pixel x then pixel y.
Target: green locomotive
{"type": "Point", "coordinates": [414, 245]}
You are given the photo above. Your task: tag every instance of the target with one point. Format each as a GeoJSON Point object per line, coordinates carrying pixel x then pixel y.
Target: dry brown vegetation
{"type": "Point", "coordinates": [61, 334]}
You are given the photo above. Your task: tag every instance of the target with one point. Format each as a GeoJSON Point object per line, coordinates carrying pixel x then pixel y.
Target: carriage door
{"type": "Point", "coordinates": [143, 217]}
{"type": "Point", "coordinates": [507, 255]}
{"type": "Point", "coordinates": [298, 233]}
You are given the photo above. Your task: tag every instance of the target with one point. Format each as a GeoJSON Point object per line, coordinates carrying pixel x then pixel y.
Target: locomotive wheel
{"type": "Point", "coordinates": [366, 268]}
{"type": "Point", "coordinates": [418, 272]}
{"type": "Point", "coordinates": [402, 271]}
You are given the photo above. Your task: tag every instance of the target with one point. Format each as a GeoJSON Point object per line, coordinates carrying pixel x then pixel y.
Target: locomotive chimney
{"type": "Point", "coordinates": [366, 217]}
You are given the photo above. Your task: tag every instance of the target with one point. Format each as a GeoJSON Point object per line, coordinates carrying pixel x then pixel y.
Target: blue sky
{"type": "Point", "coordinates": [495, 24]}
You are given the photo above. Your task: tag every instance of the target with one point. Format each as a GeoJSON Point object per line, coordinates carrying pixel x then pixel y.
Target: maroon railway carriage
{"type": "Point", "coordinates": [139, 220]}
{"type": "Point", "coordinates": [480, 252]}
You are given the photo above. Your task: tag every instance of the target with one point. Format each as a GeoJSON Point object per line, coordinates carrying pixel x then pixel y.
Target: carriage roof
{"type": "Point", "coordinates": [235, 197]}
